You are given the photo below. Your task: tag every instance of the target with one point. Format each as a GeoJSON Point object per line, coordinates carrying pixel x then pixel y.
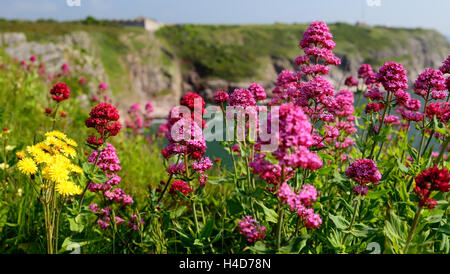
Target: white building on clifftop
{"type": "Point", "coordinates": [141, 21]}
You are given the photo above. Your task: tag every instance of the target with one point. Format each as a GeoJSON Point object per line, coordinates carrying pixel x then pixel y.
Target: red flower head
{"type": "Point", "coordinates": [60, 92]}
{"type": "Point", "coordinates": [188, 101]}
{"type": "Point", "coordinates": [102, 86]}
{"type": "Point", "coordinates": [432, 179]}
{"type": "Point", "coordinates": [104, 118]}
{"type": "Point", "coordinates": [221, 97]}
{"type": "Point", "coordinates": [94, 141]}
{"type": "Point", "coordinates": [350, 81]}
{"type": "Point", "coordinates": [180, 186]}
{"type": "Point", "coordinates": [65, 68]}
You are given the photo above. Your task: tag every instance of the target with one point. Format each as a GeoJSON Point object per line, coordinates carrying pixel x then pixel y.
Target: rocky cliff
{"type": "Point", "coordinates": [139, 65]}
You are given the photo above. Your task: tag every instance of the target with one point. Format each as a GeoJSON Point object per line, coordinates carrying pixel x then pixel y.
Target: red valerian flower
{"type": "Point", "coordinates": [432, 179]}
{"type": "Point", "coordinates": [221, 97]}
{"type": "Point", "coordinates": [189, 99]}
{"type": "Point", "coordinates": [104, 118]}
{"type": "Point", "coordinates": [364, 71]}
{"type": "Point", "coordinates": [363, 171]}
{"type": "Point", "coordinates": [350, 81]}
{"type": "Point", "coordinates": [94, 141]}
{"type": "Point", "coordinates": [441, 110]}
{"type": "Point", "coordinates": [374, 107]}
{"type": "Point", "coordinates": [180, 186]}
{"type": "Point", "coordinates": [431, 81]}
{"type": "Point", "coordinates": [102, 86]}
{"type": "Point", "coordinates": [393, 77]}
{"type": "Point", "coordinates": [60, 92]}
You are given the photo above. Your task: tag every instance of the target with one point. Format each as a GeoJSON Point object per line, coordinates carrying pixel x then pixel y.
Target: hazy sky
{"type": "Point", "coordinates": [405, 13]}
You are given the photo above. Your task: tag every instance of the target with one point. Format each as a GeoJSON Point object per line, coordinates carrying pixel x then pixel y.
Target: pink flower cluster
{"type": "Point", "coordinates": [445, 68]}
{"type": "Point", "coordinates": [441, 110]}
{"type": "Point", "coordinates": [317, 44]}
{"type": "Point", "coordinates": [269, 172]}
{"type": "Point", "coordinates": [350, 81]}
{"type": "Point", "coordinates": [242, 98]}
{"type": "Point", "coordinates": [295, 138]}
{"type": "Point", "coordinates": [392, 76]}
{"type": "Point", "coordinates": [109, 163]}
{"type": "Point", "coordinates": [363, 171]}
{"type": "Point", "coordinates": [137, 119]}
{"type": "Point", "coordinates": [431, 82]}
{"type": "Point", "coordinates": [365, 71]}
{"type": "Point", "coordinates": [431, 179]}
{"type": "Point", "coordinates": [251, 229]}
{"type": "Point", "coordinates": [287, 87]}
{"type": "Point", "coordinates": [221, 97]}
{"type": "Point", "coordinates": [301, 202]}
{"type": "Point", "coordinates": [185, 138]}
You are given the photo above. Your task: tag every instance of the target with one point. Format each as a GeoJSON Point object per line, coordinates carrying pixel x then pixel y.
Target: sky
{"type": "Point", "coordinates": [429, 14]}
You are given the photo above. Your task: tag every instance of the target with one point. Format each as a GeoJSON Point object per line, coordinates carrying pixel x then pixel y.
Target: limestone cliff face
{"type": "Point", "coordinates": [150, 70]}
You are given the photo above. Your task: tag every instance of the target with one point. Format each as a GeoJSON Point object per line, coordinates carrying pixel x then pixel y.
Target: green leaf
{"type": "Point", "coordinates": [402, 167]}
{"type": "Point", "coordinates": [340, 222]}
{"type": "Point", "coordinates": [270, 214]}
{"type": "Point", "coordinates": [444, 229]}
{"type": "Point", "coordinates": [75, 226]}
{"type": "Point", "coordinates": [207, 229]}
{"type": "Point", "coordinates": [259, 248]}
{"type": "Point", "coordinates": [234, 207]}
{"type": "Point", "coordinates": [362, 230]}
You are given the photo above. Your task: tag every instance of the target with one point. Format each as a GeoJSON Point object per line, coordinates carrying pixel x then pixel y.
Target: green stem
{"type": "Point", "coordinates": [413, 227]}
{"type": "Point", "coordinates": [379, 127]}
{"type": "Point", "coordinates": [279, 225]}
{"type": "Point", "coordinates": [195, 218]}
{"type": "Point", "coordinates": [355, 210]}
{"type": "Point", "coordinates": [89, 182]}
{"type": "Point", "coordinates": [443, 149]}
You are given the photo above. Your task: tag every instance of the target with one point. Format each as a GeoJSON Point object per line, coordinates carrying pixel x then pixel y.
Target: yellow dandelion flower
{"type": "Point", "coordinates": [68, 188]}
{"type": "Point", "coordinates": [57, 134]}
{"type": "Point", "coordinates": [56, 144]}
{"type": "Point", "coordinates": [38, 154]}
{"type": "Point", "coordinates": [20, 154]}
{"type": "Point", "coordinates": [71, 142]}
{"type": "Point", "coordinates": [57, 170]}
{"type": "Point", "coordinates": [27, 166]}
{"type": "Point", "coordinates": [76, 169]}
{"type": "Point", "coordinates": [62, 137]}
{"type": "Point", "coordinates": [69, 151]}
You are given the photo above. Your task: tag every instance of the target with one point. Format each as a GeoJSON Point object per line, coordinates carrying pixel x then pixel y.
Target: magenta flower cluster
{"type": "Point", "coordinates": [137, 119]}
{"type": "Point", "coordinates": [186, 141]}
{"type": "Point", "coordinates": [431, 82]}
{"type": "Point", "coordinates": [301, 203]}
{"type": "Point", "coordinates": [250, 228]}
{"type": "Point", "coordinates": [295, 138]}
{"type": "Point", "coordinates": [269, 172]}
{"type": "Point", "coordinates": [363, 172]}
{"type": "Point", "coordinates": [317, 44]}
{"type": "Point", "coordinates": [109, 163]}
